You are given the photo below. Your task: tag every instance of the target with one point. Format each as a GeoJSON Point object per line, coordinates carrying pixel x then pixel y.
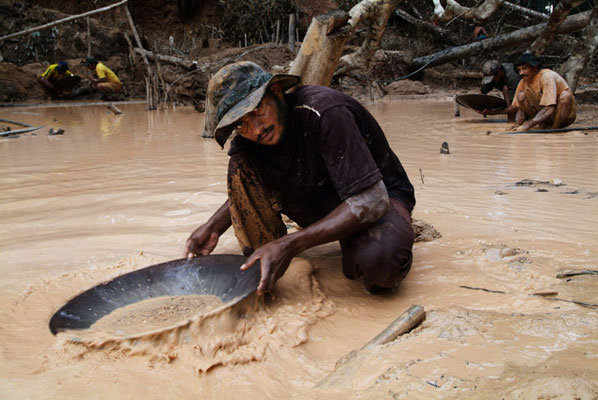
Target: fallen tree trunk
{"type": "Point", "coordinates": [187, 64]}
{"type": "Point", "coordinates": [573, 23]}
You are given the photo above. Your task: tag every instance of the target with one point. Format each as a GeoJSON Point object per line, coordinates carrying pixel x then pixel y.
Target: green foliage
{"type": "Point", "coordinates": [255, 18]}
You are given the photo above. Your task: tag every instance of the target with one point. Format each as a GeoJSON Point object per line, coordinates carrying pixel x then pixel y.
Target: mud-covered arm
{"type": "Point", "coordinates": [356, 213]}
{"type": "Point", "coordinates": [205, 238]}
{"type": "Point", "coordinates": [542, 116]}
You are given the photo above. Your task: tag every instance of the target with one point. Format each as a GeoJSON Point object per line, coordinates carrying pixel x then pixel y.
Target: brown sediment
{"type": "Point", "coordinates": [155, 313]}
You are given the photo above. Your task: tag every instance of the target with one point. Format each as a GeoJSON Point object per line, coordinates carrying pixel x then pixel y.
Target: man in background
{"type": "Point", "coordinates": [503, 78]}
{"type": "Point", "coordinates": [57, 81]}
{"type": "Point", "coordinates": [102, 78]}
{"type": "Point", "coordinates": [542, 98]}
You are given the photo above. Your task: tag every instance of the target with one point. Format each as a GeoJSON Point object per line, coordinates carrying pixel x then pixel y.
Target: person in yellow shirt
{"type": "Point", "coordinates": [541, 99]}
{"type": "Point", "coordinates": [102, 78]}
{"type": "Point", "coordinates": [57, 81]}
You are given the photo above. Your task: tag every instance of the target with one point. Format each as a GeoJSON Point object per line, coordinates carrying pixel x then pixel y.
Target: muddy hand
{"type": "Point", "coordinates": [274, 260]}
{"type": "Point", "coordinates": [201, 242]}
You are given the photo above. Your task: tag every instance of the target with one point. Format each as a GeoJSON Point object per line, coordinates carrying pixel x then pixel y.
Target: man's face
{"type": "Point", "coordinates": [527, 72]}
{"type": "Point", "coordinates": [266, 123]}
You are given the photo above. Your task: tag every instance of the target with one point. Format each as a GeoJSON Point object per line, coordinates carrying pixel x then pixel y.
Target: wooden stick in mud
{"type": "Point", "coordinates": [61, 21]}
{"type": "Point", "coordinates": [88, 38]}
{"type": "Point", "coordinates": [348, 364]}
{"type": "Point", "coordinates": [151, 79]}
{"type": "Point", "coordinates": [576, 273]}
{"type": "Point", "coordinates": [292, 33]}
{"type": "Point", "coordinates": [15, 122]}
{"type": "Point", "coordinates": [31, 129]}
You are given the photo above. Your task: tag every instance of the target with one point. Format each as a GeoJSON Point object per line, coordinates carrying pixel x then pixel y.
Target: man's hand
{"type": "Point", "coordinates": [526, 126]}
{"type": "Point", "coordinates": [201, 242]}
{"type": "Point", "coordinates": [274, 258]}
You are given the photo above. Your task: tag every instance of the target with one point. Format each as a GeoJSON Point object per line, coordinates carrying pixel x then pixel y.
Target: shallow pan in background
{"type": "Point", "coordinates": [217, 275]}
{"type": "Point", "coordinates": [480, 102]}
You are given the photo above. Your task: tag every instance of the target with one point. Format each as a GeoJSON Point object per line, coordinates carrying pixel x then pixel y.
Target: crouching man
{"type": "Point", "coordinates": [316, 156]}
{"type": "Point", "coordinates": [542, 98]}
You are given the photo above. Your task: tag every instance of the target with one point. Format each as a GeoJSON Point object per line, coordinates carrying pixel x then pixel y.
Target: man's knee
{"type": "Point", "coordinates": [383, 253]}
{"type": "Point", "coordinates": [390, 273]}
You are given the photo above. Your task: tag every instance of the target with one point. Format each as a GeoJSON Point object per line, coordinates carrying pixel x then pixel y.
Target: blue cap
{"type": "Point", "coordinates": [62, 66]}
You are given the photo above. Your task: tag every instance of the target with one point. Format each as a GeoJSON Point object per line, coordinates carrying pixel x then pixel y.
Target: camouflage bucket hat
{"type": "Point", "coordinates": [489, 69]}
{"type": "Point", "coordinates": [236, 90]}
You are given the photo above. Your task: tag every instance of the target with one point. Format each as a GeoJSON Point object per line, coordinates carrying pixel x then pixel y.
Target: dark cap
{"type": "Point", "coordinates": [489, 69]}
{"type": "Point", "coordinates": [62, 66]}
{"type": "Point", "coordinates": [530, 59]}
{"type": "Point", "coordinates": [90, 61]}
{"type": "Point", "coordinates": [236, 90]}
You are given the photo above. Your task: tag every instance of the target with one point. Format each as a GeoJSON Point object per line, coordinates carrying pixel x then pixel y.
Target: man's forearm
{"type": "Point", "coordinates": [543, 115]}
{"type": "Point", "coordinates": [221, 220]}
{"type": "Point", "coordinates": [352, 215]}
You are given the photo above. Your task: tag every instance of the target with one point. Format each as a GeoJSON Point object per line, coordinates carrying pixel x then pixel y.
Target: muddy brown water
{"type": "Point", "coordinates": [120, 192]}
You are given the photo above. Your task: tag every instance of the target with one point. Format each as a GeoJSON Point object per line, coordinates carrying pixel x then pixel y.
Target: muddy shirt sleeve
{"type": "Point", "coordinates": [548, 91]}
{"type": "Point", "coordinates": [345, 153]}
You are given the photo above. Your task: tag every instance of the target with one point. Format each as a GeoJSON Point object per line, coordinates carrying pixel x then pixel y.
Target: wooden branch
{"type": "Point", "coordinates": [583, 52]}
{"type": "Point", "coordinates": [61, 21]}
{"type": "Point", "coordinates": [348, 365]}
{"type": "Point", "coordinates": [187, 64]}
{"type": "Point", "coordinates": [31, 129]}
{"type": "Point", "coordinates": [14, 122]}
{"type": "Point", "coordinates": [292, 33]}
{"type": "Point", "coordinates": [88, 37]}
{"type": "Point", "coordinates": [526, 11]}
{"type": "Point", "coordinates": [482, 289]}
{"type": "Point", "coordinates": [571, 24]}
{"type": "Point", "coordinates": [151, 80]}
{"type": "Point", "coordinates": [418, 23]}
{"type": "Point", "coordinates": [560, 13]}
{"type": "Point", "coordinates": [576, 273]}
{"type": "Point", "coordinates": [456, 10]}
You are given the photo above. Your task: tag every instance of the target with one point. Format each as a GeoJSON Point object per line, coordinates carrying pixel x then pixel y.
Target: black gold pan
{"type": "Point", "coordinates": [481, 102]}
{"type": "Point", "coordinates": [217, 275]}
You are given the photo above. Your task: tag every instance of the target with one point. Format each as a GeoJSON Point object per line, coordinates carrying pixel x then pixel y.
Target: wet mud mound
{"type": "Point", "coordinates": [227, 337]}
